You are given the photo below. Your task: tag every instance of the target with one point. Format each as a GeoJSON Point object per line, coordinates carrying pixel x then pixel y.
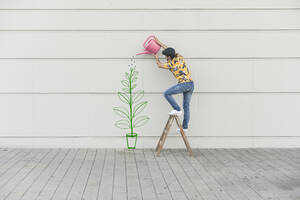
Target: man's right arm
{"type": "Point", "coordinates": [160, 43]}
{"type": "Point", "coordinates": [159, 64]}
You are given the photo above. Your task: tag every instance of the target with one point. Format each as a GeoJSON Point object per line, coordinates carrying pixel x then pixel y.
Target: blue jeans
{"type": "Point", "coordinates": [187, 89]}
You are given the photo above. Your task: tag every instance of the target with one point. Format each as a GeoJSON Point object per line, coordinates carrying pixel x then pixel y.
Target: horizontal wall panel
{"type": "Point", "coordinates": [16, 115]}
{"type": "Point", "coordinates": [16, 76]}
{"type": "Point", "coordinates": [276, 75]}
{"type": "Point", "coordinates": [90, 44]}
{"type": "Point", "coordinates": [143, 20]}
{"type": "Point", "coordinates": [222, 115]}
{"type": "Point", "coordinates": [276, 115]}
{"type": "Point", "coordinates": [156, 4]}
{"type": "Point", "coordinates": [91, 115]}
{"type": "Point", "coordinates": [104, 75]}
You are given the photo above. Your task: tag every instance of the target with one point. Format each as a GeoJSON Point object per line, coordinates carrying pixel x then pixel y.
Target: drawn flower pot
{"type": "Point", "coordinates": [131, 139]}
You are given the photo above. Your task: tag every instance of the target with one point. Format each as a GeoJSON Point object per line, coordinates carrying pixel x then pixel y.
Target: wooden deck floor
{"type": "Point", "coordinates": [213, 174]}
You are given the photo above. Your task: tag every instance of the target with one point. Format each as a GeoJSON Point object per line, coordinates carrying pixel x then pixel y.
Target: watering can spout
{"type": "Point", "coordinates": [145, 52]}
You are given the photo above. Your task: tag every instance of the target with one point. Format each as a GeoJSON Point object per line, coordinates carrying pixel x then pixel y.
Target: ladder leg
{"type": "Point", "coordinates": [167, 131]}
{"type": "Point", "coordinates": [164, 135]}
{"type": "Point", "coordinates": [160, 139]}
{"type": "Point", "coordinates": [184, 136]}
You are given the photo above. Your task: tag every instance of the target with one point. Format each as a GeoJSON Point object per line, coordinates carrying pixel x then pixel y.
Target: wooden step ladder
{"type": "Point", "coordinates": [163, 137]}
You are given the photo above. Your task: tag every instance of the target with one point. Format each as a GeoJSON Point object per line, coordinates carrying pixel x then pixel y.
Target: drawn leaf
{"type": "Point", "coordinates": [122, 124]}
{"type": "Point", "coordinates": [138, 96]}
{"type": "Point", "coordinates": [125, 90]}
{"type": "Point", "coordinates": [123, 97]}
{"type": "Point", "coordinates": [134, 73]}
{"type": "Point", "coordinates": [127, 75]}
{"type": "Point", "coordinates": [134, 79]}
{"type": "Point", "coordinates": [125, 83]}
{"type": "Point", "coordinates": [121, 111]}
{"type": "Point", "coordinates": [139, 108]}
{"type": "Point", "coordinates": [140, 121]}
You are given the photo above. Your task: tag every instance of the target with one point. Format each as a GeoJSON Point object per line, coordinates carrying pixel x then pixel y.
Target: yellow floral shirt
{"type": "Point", "coordinates": [179, 69]}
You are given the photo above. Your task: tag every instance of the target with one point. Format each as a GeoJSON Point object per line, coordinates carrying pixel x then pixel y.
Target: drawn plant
{"type": "Point", "coordinates": [131, 117]}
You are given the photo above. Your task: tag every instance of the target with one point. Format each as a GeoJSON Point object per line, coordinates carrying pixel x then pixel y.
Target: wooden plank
{"type": "Point", "coordinates": [207, 176]}
{"type": "Point", "coordinates": [14, 166]}
{"type": "Point", "coordinates": [6, 152]}
{"type": "Point", "coordinates": [182, 178]}
{"type": "Point", "coordinates": [198, 181]}
{"type": "Point", "coordinates": [96, 44]}
{"type": "Point", "coordinates": [276, 173]}
{"type": "Point", "coordinates": [39, 184]}
{"type": "Point", "coordinates": [146, 182]}
{"type": "Point", "coordinates": [160, 184]}
{"type": "Point", "coordinates": [8, 155]}
{"type": "Point", "coordinates": [20, 189]}
{"type": "Point", "coordinates": [54, 181]}
{"type": "Point", "coordinates": [20, 175]}
{"type": "Point", "coordinates": [80, 183]}
{"type": "Point", "coordinates": [141, 20]}
{"type": "Point", "coordinates": [253, 165]}
{"type": "Point", "coordinates": [255, 181]}
{"type": "Point", "coordinates": [232, 176]}
{"type": "Point", "coordinates": [233, 190]}
{"type": "Point", "coordinates": [263, 185]}
{"type": "Point", "coordinates": [63, 190]}
{"type": "Point", "coordinates": [120, 179]}
{"type": "Point", "coordinates": [294, 152]}
{"type": "Point", "coordinates": [91, 191]}
{"type": "Point", "coordinates": [156, 4]}
{"type": "Point", "coordinates": [8, 161]}
{"type": "Point", "coordinates": [265, 164]}
{"type": "Point", "coordinates": [275, 160]}
{"type": "Point", "coordinates": [291, 155]}
{"type": "Point", "coordinates": [134, 191]}
{"type": "Point", "coordinates": [107, 180]}
{"type": "Point", "coordinates": [174, 186]}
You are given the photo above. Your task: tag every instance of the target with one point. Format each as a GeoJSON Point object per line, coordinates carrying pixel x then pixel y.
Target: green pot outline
{"type": "Point", "coordinates": [131, 135]}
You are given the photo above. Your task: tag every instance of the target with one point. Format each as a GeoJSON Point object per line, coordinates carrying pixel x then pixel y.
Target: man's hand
{"type": "Point", "coordinates": [159, 64]}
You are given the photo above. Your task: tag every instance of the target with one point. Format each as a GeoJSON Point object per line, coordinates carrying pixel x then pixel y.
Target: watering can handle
{"type": "Point", "coordinates": [148, 39]}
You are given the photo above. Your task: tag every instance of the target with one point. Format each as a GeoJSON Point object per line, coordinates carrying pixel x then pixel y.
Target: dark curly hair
{"type": "Point", "coordinates": [169, 52]}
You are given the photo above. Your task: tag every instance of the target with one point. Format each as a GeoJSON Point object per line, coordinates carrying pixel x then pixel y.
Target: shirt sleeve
{"type": "Point", "coordinates": [167, 65]}
{"type": "Point", "coordinates": [180, 57]}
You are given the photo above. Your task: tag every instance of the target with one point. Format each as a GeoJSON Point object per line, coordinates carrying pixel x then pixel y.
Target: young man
{"type": "Point", "coordinates": [175, 63]}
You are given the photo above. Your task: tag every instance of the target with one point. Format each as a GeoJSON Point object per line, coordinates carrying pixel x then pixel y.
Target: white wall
{"type": "Point", "coordinates": [61, 62]}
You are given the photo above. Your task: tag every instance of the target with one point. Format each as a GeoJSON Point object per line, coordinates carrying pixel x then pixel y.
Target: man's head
{"type": "Point", "coordinates": [169, 53]}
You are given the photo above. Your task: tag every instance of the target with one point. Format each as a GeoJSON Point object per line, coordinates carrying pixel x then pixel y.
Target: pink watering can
{"type": "Point", "coordinates": [150, 46]}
